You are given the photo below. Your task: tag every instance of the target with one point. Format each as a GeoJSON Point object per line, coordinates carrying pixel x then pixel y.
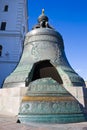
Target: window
{"type": "Point", "coordinates": [0, 50]}
{"type": "Point", "coordinates": [6, 8]}
{"type": "Point", "coordinates": [3, 26]}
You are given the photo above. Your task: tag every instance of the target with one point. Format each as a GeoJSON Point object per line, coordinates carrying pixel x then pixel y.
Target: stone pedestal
{"type": "Point", "coordinates": [10, 99]}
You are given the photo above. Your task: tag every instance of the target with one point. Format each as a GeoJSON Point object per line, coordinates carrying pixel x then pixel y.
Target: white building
{"type": "Point", "coordinates": [13, 27]}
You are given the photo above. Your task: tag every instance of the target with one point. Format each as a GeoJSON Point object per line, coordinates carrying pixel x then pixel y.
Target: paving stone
{"type": "Point", "coordinates": [9, 123]}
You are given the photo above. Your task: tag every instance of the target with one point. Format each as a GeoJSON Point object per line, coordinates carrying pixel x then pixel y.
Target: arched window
{"type": "Point", "coordinates": [3, 26]}
{"type": "Point", "coordinates": [6, 8]}
{"type": "Point", "coordinates": [0, 50]}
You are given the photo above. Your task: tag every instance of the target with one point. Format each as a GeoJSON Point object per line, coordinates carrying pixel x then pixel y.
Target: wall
{"type": "Point", "coordinates": [12, 38]}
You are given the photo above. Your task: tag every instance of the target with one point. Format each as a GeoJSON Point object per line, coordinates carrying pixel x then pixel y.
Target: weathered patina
{"type": "Point", "coordinates": [55, 91]}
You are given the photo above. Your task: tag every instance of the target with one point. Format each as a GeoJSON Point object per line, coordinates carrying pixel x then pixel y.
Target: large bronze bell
{"type": "Point", "coordinates": [55, 91]}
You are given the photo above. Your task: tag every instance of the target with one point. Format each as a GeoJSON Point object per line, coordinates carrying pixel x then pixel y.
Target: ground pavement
{"type": "Point", "coordinates": [9, 123]}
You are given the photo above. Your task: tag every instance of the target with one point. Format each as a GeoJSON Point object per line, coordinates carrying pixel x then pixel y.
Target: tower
{"type": "Point", "coordinates": [13, 27]}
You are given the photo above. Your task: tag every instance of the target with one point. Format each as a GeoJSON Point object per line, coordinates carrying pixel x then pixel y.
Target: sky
{"type": "Point", "coordinates": [69, 18]}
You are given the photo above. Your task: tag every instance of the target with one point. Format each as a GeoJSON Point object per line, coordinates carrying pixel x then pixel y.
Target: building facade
{"type": "Point", "coordinates": [13, 27]}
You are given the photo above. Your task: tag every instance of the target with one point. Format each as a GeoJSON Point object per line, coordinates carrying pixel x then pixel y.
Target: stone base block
{"type": "Point", "coordinates": [10, 99]}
